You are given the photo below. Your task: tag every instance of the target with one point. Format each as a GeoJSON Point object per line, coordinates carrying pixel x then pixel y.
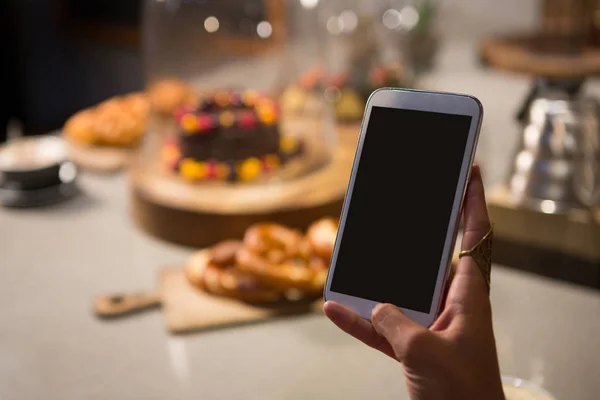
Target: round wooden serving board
{"type": "Point", "coordinates": [202, 215]}
{"type": "Point", "coordinates": [534, 55]}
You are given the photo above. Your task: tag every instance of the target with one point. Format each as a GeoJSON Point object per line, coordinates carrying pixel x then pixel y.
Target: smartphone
{"type": "Point", "coordinates": [402, 208]}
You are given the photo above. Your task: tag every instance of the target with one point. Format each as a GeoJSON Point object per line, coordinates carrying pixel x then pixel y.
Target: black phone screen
{"type": "Point", "coordinates": [398, 215]}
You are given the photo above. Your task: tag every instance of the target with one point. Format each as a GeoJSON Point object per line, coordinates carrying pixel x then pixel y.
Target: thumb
{"type": "Point", "coordinates": [407, 338]}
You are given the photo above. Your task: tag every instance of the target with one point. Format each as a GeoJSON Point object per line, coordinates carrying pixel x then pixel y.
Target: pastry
{"type": "Point", "coordinates": [116, 122]}
{"type": "Point", "coordinates": [80, 127]}
{"type": "Point", "coordinates": [168, 94]}
{"type": "Point", "coordinates": [321, 236]}
{"type": "Point", "coordinates": [272, 263]}
{"type": "Point", "coordinates": [214, 271]}
{"type": "Point", "coordinates": [280, 257]}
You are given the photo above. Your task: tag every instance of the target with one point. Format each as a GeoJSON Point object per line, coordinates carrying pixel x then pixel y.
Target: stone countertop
{"type": "Point", "coordinates": [54, 261]}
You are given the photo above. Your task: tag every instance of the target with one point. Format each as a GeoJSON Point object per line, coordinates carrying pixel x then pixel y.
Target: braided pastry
{"type": "Point", "coordinates": [214, 271]}
{"type": "Point", "coordinates": [321, 237]}
{"type": "Point", "coordinates": [119, 122]}
{"type": "Point", "coordinates": [280, 257]}
{"type": "Point", "coordinates": [168, 94]}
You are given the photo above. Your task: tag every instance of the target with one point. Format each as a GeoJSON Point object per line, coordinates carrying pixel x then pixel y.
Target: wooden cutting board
{"type": "Point", "coordinates": [187, 309]}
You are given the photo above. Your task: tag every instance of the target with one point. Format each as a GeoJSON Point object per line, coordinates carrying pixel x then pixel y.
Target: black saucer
{"type": "Point", "coordinates": [16, 198]}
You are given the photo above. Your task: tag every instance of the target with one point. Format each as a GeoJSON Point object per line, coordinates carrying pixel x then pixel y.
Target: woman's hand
{"type": "Point", "coordinates": [456, 357]}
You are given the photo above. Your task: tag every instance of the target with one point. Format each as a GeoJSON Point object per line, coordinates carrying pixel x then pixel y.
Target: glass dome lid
{"type": "Point", "coordinates": [367, 48]}
{"type": "Point", "coordinates": [226, 107]}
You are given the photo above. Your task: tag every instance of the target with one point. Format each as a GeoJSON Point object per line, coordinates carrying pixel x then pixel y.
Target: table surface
{"type": "Point", "coordinates": [54, 261]}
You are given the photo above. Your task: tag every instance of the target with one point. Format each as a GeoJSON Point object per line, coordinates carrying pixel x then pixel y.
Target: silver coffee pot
{"type": "Point", "coordinates": [557, 165]}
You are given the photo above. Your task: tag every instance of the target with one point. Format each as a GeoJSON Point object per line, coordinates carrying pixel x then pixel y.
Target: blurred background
{"type": "Point", "coordinates": [137, 135]}
{"type": "Point", "coordinates": [92, 50]}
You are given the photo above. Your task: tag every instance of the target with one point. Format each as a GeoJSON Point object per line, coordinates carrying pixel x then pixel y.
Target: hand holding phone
{"type": "Point", "coordinates": [456, 357]}
{"type": "Point", "coordinates": [401, 212]}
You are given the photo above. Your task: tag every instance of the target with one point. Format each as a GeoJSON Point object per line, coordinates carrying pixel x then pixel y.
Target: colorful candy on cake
{"type": "Point", "coordinates": [229, 136]}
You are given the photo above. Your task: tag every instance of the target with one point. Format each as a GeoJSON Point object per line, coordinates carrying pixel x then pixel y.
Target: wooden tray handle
{"type": "Point", "coordinates": [118, 305]}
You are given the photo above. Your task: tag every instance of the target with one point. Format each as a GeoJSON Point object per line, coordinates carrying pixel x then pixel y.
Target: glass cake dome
{"type": "Point", "coordinates": [367, 48]}
{"type": "Point", "coordinates": [227, 84]}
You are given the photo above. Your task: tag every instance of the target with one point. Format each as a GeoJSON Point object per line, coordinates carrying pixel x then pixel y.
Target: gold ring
{"type": "Point", "coordinates": [482, 254]}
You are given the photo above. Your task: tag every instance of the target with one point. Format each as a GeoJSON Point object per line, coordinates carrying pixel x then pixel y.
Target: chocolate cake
{"type": "Point", "coordinates": [229, 135]}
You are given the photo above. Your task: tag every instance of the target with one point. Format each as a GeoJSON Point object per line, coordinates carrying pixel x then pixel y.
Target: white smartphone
{"type": "Point", "coordinates": [402, 208]}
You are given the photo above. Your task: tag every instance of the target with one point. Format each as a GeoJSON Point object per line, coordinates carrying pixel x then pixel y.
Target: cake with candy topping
{"type": "Point", "coordinates": [229, 136]}
{"type": "Point", "coordinates": [352, 89]}
{"type": "Point", "coordinates": [348, 92]}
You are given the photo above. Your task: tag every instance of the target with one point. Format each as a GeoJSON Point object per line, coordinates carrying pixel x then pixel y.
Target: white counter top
{"type": "Point", "coordinates": [54, 261]}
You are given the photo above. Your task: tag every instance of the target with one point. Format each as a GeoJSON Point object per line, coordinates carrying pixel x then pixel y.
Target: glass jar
{"type": "Point", "coordinates": [221, 83]}
{"type": "Point", "coordinates": [367, 48]}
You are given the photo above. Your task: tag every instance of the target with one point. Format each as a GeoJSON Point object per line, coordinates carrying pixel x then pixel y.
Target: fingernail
{"type": "Point", "coordinates": [382, 311]}
{"type": "Point", "coordinates": [376, 310]}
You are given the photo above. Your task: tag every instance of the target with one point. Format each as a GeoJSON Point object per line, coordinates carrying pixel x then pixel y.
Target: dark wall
{"type": "Point", "coordinates": [61, 67]}
{"type": "Point", "coordinates": [8, 88]}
